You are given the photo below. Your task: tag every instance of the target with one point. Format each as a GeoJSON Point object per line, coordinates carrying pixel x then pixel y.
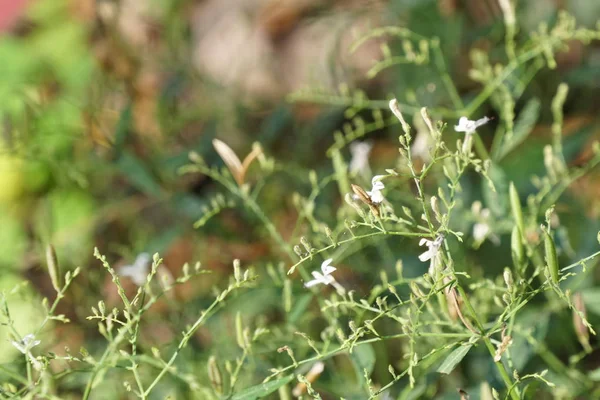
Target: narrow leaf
{"type": "Point", "coordinates": [523, 127]}
{"type": "Point", "coordinates": [262, 390]}
{"type": "Point", "coordinates": [454, 359]}
{"type": "Point", "coordinates": [363, 358]}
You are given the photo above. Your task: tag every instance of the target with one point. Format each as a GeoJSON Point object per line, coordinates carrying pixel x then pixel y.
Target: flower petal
{"type": "Point", "coordinates": [377, 178]}
{"type": "Point", "coordinates": [426, 256]}
{"type": "Point", "coordinates": [312, 283]}
{"type": "Point", "coordinates": [327, 270]}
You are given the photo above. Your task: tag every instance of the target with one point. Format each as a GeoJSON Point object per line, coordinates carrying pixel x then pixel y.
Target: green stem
{"type": "Point", "coordinates": [378, 233]}
{"type": "Point", "coordinates": [488, 343]}
{"type": "Point", "coordinates": [249, 201]}
{"type": "Point", "coordinates": [188, 334]}
{"type": "Point", "coordinates": [438, 58]}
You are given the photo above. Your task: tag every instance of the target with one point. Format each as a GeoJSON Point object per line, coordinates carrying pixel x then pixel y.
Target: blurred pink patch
{"type": "Point", "coordinates": [10, 11]}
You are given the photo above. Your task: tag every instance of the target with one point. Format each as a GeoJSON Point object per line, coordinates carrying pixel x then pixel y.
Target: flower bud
{"type": "Point", "coordinates": [53, 267]}
{"type": "Point", "coordinates": [508, 279]}
{"type": "Point", "coordinates": [396, 110]}
{"type": "Point", "coordinates": [551, 257]}
{"type": "Point", "coordinates": [214, 375]}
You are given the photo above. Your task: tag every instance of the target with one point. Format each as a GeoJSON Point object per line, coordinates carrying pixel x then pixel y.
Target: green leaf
{"type": "Point", "coordinates": [591, 298]}
{"type": "Point", "coordinates": [536, 320]}
{"type": "Point", "coordinates": [523, 127]}
{"type": "Point", "coordinates": [363, 357]}
{"type": "Point", "coordinates": [300, 305]}
{"type": "Point", "coordinates": [496, 201]}
{"type": "Point", "coordinates": [594, 375]}
{"type": "Point", "coordinates": [262, 390]}
{"type": "Point", "coordinates": [138, 174]}
{"type": "Point", "coordinates": [454, 358]}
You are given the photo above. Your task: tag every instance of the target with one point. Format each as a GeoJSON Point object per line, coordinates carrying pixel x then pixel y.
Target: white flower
{"type": "Point", "coordinates": [324, 278]}
{"type": "Point", "coordinates": [138, 271]}
{"type": "Point", "coordinates": [420, 147]}
{"type": "Point", "coordinates": [375, 192]}
{"type": "Point", "coordinates": [25, 345]}
{"type": "Point", "coordinates": [467, 126]}
{"type": "Point", "coordinates": [423, 140]}
{"type": "Point", "coordinates": [360, 157]}
{"type": "Point", "coordinates": [482, 229]}
{"type": "Point", "coordinates": [431, 255]}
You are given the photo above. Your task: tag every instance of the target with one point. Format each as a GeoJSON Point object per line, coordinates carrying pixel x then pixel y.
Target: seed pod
{"type": "Point", "coordinates": [214, 375]}
{"type": "Point", "coordinates": [239, 331]}
{"type": "Point", "coordinates": [53, 267]}
{"type": "Point", "coordinates": [517, 250]}
{"type": "Point", "coordinates": [362, 195]}
{"type": "Point", "coordinates": [551, 258]}
{"type": "Point", "coordinates": [287, 295]}
{"type": "Point", "coordinates": [581, 329]}
{"type": "Point", "coordinates": [515, 205]}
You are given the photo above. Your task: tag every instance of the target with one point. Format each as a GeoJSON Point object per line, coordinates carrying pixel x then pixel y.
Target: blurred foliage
{"type": "Point", "coordinates": [102, 102]}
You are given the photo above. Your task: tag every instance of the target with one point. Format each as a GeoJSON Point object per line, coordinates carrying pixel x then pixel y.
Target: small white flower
{"type": "Point", "coordinates": [375, 192]}
{"type": "Point", "coordinates": [423, 140]}
{"type": "Point", "coordinates": [360, 157]}
{"type": "Point", "coordinates": [482, 229]}
{"type": "Point", "coordinates": [26, 344]}
{"type": "Point", "coordinates": [138, 271]}
{"type": "Point", "coordinates": [420, 147]}
{"type": "Point", "coordinates": [467, 126]}
{"type": "Point", "coordinates": [325, 278]}
{"type": "Point", "coordinates": [431, 255]}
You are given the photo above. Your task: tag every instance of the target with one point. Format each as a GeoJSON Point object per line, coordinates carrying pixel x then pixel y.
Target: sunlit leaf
{"type": "Point", "coordinates": [454, 359]}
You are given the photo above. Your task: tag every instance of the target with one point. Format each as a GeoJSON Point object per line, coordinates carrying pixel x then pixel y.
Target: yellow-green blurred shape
{"type": "Point", "coordinates": [67, 221]}
{"type": "Point", "coordinates": [12, 178]}
{"type": "Point", "coordinates": [13, 239]}
{"type": "Point", "coordinates": [26, 312]}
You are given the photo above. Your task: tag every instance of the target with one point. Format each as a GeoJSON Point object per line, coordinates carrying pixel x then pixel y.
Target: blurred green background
{"type": "Point", "coordinates": [102, 101]}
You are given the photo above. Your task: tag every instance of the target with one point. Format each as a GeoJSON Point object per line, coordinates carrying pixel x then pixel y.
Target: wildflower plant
{"type": "Point", "coordinates": [435, 307]}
